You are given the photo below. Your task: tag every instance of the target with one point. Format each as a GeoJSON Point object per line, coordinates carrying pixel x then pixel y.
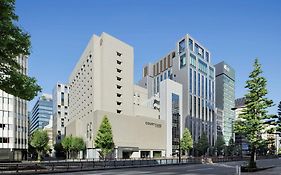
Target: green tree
{"type": "Point", "coordinates": [59, 151]}
{"type": "Point", "coordinates": [72, 145]}
{"type": "Point", "coordinates": [251, 121]}
{"type": "Point", "coordinates": [203, 144]}
{"type": "Point", "coordinates": [186, 141]}
{"type": "Point", "coordinates": [104, 139]}
{"type": "Point", "coordinates": [77, 144]}
{"type": "Point", "coordinates": [14, 42]}
{"type": "Point", "coordinates": [39, 140]}
{"type": "Point", "coordinates": [220, 144]}
{"type": "Point", "coordinates": [277, 121]}
{"type": "Point", "coordinates": [66, 144]}
{"type": "Point", "coordinates": [230, 149]}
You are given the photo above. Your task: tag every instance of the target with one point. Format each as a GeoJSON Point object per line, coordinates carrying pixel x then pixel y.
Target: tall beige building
{"type": "Point", "coordinates": [102, 83]}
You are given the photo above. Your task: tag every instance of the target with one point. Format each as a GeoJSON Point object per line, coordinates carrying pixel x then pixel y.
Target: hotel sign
{"type": "Point", "coordinates": [156, 125]}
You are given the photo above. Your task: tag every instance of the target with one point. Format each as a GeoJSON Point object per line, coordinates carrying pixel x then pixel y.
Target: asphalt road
{"type": "Point", "coordinates": [228, 168]}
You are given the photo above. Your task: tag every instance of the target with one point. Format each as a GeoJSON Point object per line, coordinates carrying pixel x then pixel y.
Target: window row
{"type": "Point", "coordinates": [199, 85]}
{"type": "Point", "coordinates": [163, 64]}
{"type": "Point", "coordinates": [161, 77]}
{"type": "Point", "coordinates": [193, 47]}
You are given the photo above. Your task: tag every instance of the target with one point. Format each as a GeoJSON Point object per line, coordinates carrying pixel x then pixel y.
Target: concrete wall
{"type": "Point", "coordinates": [140, 132]}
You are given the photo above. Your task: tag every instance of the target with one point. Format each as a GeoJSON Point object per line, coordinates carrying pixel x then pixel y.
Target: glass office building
{"type": "Point", "coordinates": [41, 113]}
{"type": "Point", "coordinates": [225, 97]}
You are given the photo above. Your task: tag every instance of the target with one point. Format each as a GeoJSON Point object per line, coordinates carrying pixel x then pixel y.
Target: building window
{"type": "Point", "coordinates": [199, 50]}
{"type": "Point", "coordinates": [202, 66]}
{"type": "Point", "coordinates": [119, 54]}
{"type": "Point", "coordinates": [119, 103]}
{"type": "Point", "coordinates": [119, 78]}
{"type": "Point", "coordinates": [165, 75]}
{"type": "Point", "coordinates": [210, 94]}
{"type": "Point", "coordinates": [118, 62]}
{"type": "Point", "coordinates": [199, 87]}
{"type": "Point", "coordinates": [211, 72]}
{"type": "Point", "coordinates": [190, 43]}
{"type": "Point", "coordinates": [173, 55]}
{"type": "Point", "coordinates": [182, 46]}
{"type": "Point", "coordinates": [190, 105]}
{"type": "Point", "coordinates": [190, 80]}
{"type": "Point", "coordinates": [119, 70]}
{"type": "Point", "coordinates": [213, 90]}
{"type": "Point", "coordinates": [207, 56]}
{"type": "Point", "coordinates": [182, 60]}
{"type": "Point", "coordinates": [202, 86]}
{"type": "Point", "coordinates": [118, 86]}
{"type": "Point", "coordinates": [199, 109]}
{"type": "Point", "coordinates": [203, 116]}
{"type": "Point", "coordinates": [169, 74]}
{"type": "Point", "coordinates": [4, 140]}
{"type": "Point", "coordinates": [161, 77]}
{"type": "Point", "coordinates": [206, 88]}
{"type": "Point", "coordinates": [194, 78]}
{"type": "Point", "coordinates": [161, 65]}
{"type": "Point", "coordinates": [157, 68]}
{"type": "Point", "coordinates": [192, 60]}
{"type": "Point", "coordinates": [118, 111]}
{"type": "Point", "coordinates": [119, 95]}
{"type": "Point", "coordinates": [62, 99]}
{"type": "Point", "coordinates": [158, 84]}
{"type": "Point", "coordinates": [194, 106]}
{"type": "Point", "coordinates": [175, 122]}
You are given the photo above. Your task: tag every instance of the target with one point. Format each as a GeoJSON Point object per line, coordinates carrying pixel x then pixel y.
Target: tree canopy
{"type": "Point", "coordinates": [14, 43]}
{"type": "Point", "coordinates": [72, 145]}
{"type": "Point", "coordinates": [186, 141]}
{"type": "Point", "coordinates": [220, 144]}
{"type": "Point", "coordinates": [104, 139]}
{"type": "Point", "coordinates": [39, 140]}
{"type": "Point", "coordinates": [251, 122]}
{"type": "Point", "coordinates": [203, 144]}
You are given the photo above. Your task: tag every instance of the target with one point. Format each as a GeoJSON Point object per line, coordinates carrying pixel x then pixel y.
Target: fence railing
{"type": "Point", "coordinates": [87, 164]}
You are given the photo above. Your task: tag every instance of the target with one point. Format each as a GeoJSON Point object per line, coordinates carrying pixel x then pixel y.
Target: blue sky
{"type": "Point", "coordinates": [234, 31]}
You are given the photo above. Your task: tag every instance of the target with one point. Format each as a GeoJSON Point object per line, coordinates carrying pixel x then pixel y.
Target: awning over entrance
{"type": "Point", "coordinates": [132, 149]}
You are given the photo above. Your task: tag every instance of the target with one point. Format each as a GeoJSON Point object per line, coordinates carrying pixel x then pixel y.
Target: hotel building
{"type": "Point", "coordinates": [102, 84]}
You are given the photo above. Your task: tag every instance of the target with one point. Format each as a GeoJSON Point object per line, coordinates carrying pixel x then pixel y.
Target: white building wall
{"type": "Point", "coordinates": [102, 80]}
{"type": "Point", "coordinates": [14, 122]}
{"type": "Point", "coordinates": [167, 88]}
{"type": "Point", "coordinates": [60, 111]}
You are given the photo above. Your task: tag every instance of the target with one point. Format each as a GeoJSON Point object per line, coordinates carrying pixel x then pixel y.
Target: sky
{"type": "Point", "coordinates": [236, 32]}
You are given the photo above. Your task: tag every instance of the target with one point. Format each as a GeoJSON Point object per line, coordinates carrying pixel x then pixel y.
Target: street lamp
{"type": "Point", "coordinates": [179, 127]}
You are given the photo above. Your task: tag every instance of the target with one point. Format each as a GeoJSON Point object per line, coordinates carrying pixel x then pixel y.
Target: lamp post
{"type": "Point", "coordinates": [179, 126]}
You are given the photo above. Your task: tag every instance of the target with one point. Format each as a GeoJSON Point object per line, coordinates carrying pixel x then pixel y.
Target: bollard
{"type": "Point", "coordinates": [238, 170]}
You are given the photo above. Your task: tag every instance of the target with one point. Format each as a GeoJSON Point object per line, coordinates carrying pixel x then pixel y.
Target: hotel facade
{"type": "Point", "coordinates": [147, 118]}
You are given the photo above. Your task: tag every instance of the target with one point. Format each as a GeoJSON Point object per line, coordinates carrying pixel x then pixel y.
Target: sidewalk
{"type": "Point", "coordinates": [271, 171]}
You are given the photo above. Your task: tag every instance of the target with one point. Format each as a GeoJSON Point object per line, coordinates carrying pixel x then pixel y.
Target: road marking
{"type": "Point", "coordinates": [200, 169]}
{"type": "Point", "coordinates": [223, 165]}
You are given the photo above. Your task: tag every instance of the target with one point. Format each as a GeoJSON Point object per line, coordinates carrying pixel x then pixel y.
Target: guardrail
{"type": "Point", "coordinates": [87, 164]}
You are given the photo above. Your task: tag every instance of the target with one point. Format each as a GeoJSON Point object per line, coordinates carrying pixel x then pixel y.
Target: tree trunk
{"type": "Point", "coordinates": [38, 155]}
{"type": "Point", "coordinates": [252, 163]}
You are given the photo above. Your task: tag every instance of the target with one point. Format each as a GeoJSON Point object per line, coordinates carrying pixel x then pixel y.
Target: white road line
{"type": "Point", "coordinates": [200, 169]}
